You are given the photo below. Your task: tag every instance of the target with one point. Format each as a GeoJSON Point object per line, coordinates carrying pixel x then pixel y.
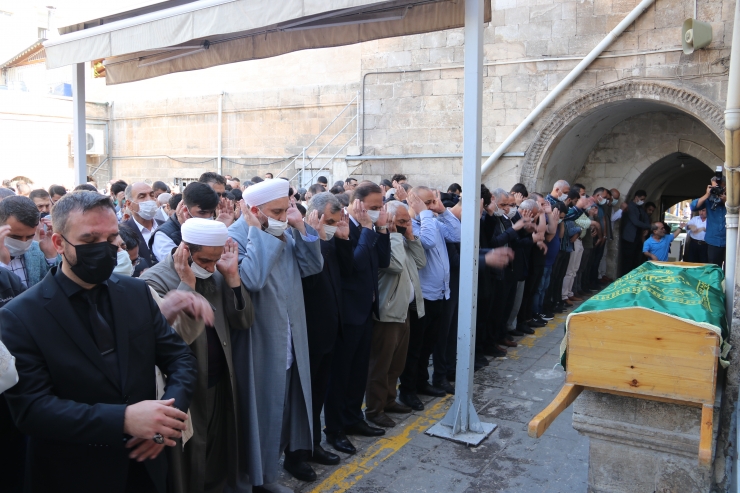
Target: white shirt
{"type": "Point", "coordinates": [162, 246]}
{"type": "Point", "coordinates": [616, 215]}
{"type": "Point", "coordinates": [697, 222]}
{"type": "Point", "coordinates": [146, 233]}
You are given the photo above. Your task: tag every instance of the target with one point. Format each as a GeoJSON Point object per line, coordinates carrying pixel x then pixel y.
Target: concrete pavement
{"type": "Point", "coordinates": [508, 393]}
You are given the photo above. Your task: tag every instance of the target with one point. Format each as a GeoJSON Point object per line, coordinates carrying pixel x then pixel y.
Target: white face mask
{"type": "Point", "coordinates": [602, 201]}
{"type": "Point", "coordinates": [640, 202]}
{"type": "Point", "coordinates": [563, 197]}
{"type": "Point", "coordinates": [614, 201]}
{"type": "Point", "coordinates": [498, 212]}
{"type": "Point", "coordinates": [512, 212]}
{"type": "Point", "coordinates": [199, 271]}
{"type": "Point", "coordinates": [275, 228]}
{"type": "Point", "coordinates": [560, 221]}
{"type": "Point", "coordinates": [147, 210]}
{"type": "Point", "coordinates": [124, 267]}
{"type": "Point", "coordinates": [373, 215]}
{"type": "Point", "coordinates": [17, 247]}
{"type": "Point", "coordinates": [330, 230]}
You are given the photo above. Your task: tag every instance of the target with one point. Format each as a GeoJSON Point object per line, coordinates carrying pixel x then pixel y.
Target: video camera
{"type": "Point", "coordinates": [717, 191]}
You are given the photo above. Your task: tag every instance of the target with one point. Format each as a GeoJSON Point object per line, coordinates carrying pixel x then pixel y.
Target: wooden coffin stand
{"type": "Point", "coordinates": [640, 353]}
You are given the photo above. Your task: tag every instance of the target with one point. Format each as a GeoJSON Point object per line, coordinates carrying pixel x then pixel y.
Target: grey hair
{"type": "Point", "coordinates": [127, 192]}
{"type": "Point", "coordinates": [528, 205]}
{"type": "Point", "coordinates": [499, 193]}
{"type": "Point", "coordinates": [394, 205]}
{"type": "Point", "coordinates": [321, 200]}
{"type": "Point", "coordinates": [560, 184]}
{"type": "Point", "coordinates": [82, 201]}
{"type": "Point", "coordinates": [164, 198]}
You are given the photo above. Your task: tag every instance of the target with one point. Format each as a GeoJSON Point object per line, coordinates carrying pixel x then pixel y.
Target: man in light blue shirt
{"type": "Point", "coordinates": [434, 225]}
{"type": "Point", "coordinates": [658, 245]}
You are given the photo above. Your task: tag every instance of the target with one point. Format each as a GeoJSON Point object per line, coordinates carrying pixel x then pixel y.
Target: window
{"type": "Point", "coordinates": [43, 33]}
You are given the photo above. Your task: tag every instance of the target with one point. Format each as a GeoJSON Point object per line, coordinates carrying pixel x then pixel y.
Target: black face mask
{"type": "Point", "coordinates": [95, 261]}
{"type": "Point", "coordinates": [401, 230]}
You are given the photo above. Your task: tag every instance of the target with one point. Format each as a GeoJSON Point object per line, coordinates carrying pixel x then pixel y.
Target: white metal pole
{"type": "Point", "coordinates": [220, 124]}
{"type": "Point", "coordinates": [79, 135]}
{"type": "Point", "coordinates": [461, 422]}
{"type": "Point", "coordinates": [567, 81]}
{"type": "Point", "coordinates": [732, 164]}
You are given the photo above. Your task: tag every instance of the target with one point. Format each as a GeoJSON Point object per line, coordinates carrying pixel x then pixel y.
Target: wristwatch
{"type": "Point", "coordinates": [381, 228]}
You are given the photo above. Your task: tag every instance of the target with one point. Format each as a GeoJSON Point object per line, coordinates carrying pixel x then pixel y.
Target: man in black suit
{"type": "Point", "coordinates": [322, 294]}
{"type": "Point", "coordinates": [634, 219]}
{"type": "Point", "coordinates": [86, 344]}
{"type": "Point", "coordinates": [141, 202]}
{"type": "Point", "coordinates": [369, 236]}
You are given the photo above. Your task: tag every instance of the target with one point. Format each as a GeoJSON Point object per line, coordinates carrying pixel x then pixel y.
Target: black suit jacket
{"type": "Point", "coordinates": [66, 399]}
{"type": "Point", "coordinates": [322, 294]}
{"type": "Point", "coordinates": [372, 251]}
{"type": "Point", "coordinates": [633, 220]}
{"type": "Point", "coordinates": [144, 250]}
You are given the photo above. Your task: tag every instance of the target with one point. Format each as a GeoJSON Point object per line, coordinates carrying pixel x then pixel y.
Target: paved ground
{"type": "Point", "coordinates": [508, 393]}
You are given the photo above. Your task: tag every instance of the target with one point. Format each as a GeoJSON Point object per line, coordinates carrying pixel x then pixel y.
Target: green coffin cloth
{"type": "Point", "coordinates": [693, 294]}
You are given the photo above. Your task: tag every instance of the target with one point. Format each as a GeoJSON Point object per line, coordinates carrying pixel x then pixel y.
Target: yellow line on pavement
{"type": "Point", "coordinates": [530, 341]}
{"type": "Point", "coordinates": [351, 472]}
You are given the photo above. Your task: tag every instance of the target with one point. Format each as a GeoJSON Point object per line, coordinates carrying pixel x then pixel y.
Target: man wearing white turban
{"type": "Point", "coordinates": [271, 360]}
{"type": "Point", "coordinates": [206, 263]}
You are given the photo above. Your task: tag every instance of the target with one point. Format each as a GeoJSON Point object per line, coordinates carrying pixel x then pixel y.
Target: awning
{"type": "Point", "coordinates": [206, 33]}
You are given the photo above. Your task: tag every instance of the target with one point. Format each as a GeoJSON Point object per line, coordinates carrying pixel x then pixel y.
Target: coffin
{"type": "Point", "coordinates": [657, 333]}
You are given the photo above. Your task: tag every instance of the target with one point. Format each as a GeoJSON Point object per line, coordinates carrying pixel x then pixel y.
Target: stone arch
{"type": "Point", "coordinates": [649, 94]}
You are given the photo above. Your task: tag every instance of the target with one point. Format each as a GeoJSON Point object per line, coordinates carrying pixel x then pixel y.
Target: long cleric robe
{"type": "Point", "coordinates": [271, 270]}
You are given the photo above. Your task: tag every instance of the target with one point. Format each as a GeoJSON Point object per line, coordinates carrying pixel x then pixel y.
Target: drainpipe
{"type": "Point", "coordinates": [732, 163]}
{"type": "Point", "coordinates": [220, 124]}
{"type": "Point", "coordinates": [567, 81]}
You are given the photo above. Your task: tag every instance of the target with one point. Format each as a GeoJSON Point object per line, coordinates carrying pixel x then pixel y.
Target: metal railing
{"type": "Point", "coordinates": [305, 158]}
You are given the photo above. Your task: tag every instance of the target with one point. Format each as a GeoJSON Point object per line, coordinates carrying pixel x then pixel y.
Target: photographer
{"type": "Point", "coordinates": [714, 203]}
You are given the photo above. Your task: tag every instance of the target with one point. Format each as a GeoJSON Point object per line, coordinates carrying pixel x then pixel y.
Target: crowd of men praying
{"type": "Point", "coordinates": [183, 339]}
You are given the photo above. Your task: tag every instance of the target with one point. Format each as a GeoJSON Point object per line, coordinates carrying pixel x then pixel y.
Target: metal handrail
{"type": "Point", "coordinates": [327, 162]}
{"type": "Point", "coordinates": [320, 134]}
{"type": "Point", "coordinates": [332, 140]}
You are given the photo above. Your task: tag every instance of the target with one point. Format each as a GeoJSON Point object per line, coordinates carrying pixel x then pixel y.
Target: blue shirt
{"type": "Point", "coordinates": [433, 232]}
{"type": "Point", "coordinates": [716, 234]}
{"type": "Point", "coordinates": [658, 248]}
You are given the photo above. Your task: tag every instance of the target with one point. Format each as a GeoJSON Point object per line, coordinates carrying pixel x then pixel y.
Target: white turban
{"type": "Point", "coordinates": [204, 232]}
{"type": "Point", "coordinates": [266, 191]}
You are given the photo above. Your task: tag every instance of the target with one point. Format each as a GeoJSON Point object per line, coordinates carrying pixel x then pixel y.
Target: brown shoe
{"type": "Point", "coordinates": [501, 348]}
{"type": "Point", "coordinates": [381, 419]}
{"type": "Point", "coordinates": [398, 408]}
{"type": "Point", "coordinates": [508, 343]}
{"type": "Point", "coordinates": [567, 303]}
{"type": "Point", "coordinates": [575, 298]}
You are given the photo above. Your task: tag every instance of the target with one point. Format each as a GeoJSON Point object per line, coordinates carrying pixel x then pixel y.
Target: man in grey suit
{"type": "Point", "coordinates": [271, 360]}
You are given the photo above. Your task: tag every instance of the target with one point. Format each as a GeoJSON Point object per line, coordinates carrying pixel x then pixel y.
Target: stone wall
{"type": "Point", "coordinates": [178, 137]}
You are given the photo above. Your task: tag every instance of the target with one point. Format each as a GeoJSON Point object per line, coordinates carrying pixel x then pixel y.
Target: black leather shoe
{"type": "Point", "coordinates": [446, 386]}
{"type": "Point", "coordinates": [363, 429]}
{"type": "Point", "coordinates": [298, 467]}
{"type": "Point", "coordinates": [430, 390]}
{"type": "Point", "coordinates": [536, 323]}
{"type": "Point", "coordinates": [411, 400]}
{"type": "Point", "coordinates": [481, 360]}
{"type": "Point", "coordinates": [340, 443]}
{"type": "Point", "coordinates": [321, 456]}
{"type": "Point", "coordinates": [516, 332]}
{"type": "Point", "coordinates": [398, 408]}
{"type": "Point", "coordinates": [526, 329]}
{"type": "Point", "coordinates": [382, 420]}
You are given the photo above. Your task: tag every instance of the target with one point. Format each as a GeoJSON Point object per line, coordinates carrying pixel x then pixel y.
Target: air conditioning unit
{"type": "Point", "coordinates": [95, 142]}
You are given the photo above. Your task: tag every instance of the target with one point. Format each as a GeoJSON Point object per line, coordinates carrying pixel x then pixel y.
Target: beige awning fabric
{"type": "Point", "coordinates": [207, 33]}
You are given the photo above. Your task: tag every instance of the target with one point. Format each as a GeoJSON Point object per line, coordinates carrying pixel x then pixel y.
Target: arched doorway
{"type": "Point", "coordinates": [632, 136]}
{"type": "Point", "coordinates": [676, 177]}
